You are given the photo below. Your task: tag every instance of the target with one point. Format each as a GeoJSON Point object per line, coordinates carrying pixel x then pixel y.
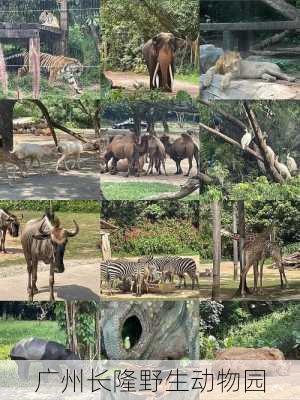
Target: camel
{"type": "Point", "coordinates": [183, 147]}
{"type": "Point", "coordinates": [157, 155]}
{"type": "Point", "coordinates": [125, 147]}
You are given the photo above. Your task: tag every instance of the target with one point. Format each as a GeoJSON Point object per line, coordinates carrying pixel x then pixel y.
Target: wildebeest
{"type": "Point", "coordinates": [183, 147]}
{"type": "Point", "coordinates": [45, 240]}
{"type": "Point", "coordinates": [8, 222]}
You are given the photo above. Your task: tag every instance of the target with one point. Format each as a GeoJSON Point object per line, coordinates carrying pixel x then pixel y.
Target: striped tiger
{"type": "Point", "coordinates": [58, 67]}
{"type": "Point", "coordinates": [48, 19]}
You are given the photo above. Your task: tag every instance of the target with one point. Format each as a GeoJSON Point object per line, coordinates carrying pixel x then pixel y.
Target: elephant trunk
{"type": "Point", "coordinates": [165, 60]}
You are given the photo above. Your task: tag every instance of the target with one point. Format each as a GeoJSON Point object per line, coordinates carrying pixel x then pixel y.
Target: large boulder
{"type": "Point", "coordinates": [209, 54]}
{"type": "Point", "coordinates": [241, 359]}
{"type": "Point", "coordinates": [246, 353]}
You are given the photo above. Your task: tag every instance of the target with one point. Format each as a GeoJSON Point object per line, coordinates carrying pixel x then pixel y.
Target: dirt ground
{"type": "Point", "coordinates": [46, 183]}
{"type": "Point", "coordinates": [271, 283]}
{"type": "Point", "coordinates": [128, 80]}
{"type": "Point", "coordinates": [170, 178]}
{"type": "Point", "coordinates": [179, 293]}
{"type": "Point", "coordinates": [80, 281]}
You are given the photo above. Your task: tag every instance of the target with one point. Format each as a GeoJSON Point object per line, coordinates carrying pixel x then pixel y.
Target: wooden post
{"type": "Point", "coordinates": [3, 73]}
{"type": "Point", "coordinates": [35, 66]}
{"type": "Point", "coordinates": [105, 245]}
{"type": "Point", "coordinates": [235, 243]}
{"type": "Point", "coordinates": [228, 40]}
{"type": "Point", "coordinates": [216, 217]}
{"type": "Point", "coordinates": [64, 26]}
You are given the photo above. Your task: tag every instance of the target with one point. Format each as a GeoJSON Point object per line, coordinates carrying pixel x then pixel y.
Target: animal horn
{"type": "Point", "coordinates": [155, 73]}
{"type": "Point", "coordinates": [172, 77]}
{"type": "Point", "coordinates": [73, 233]}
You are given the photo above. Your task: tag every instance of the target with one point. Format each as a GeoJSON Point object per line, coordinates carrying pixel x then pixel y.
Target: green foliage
{"type": "Point", "coordinates": [279, 329]}
{"type": "Point", "coordinates": [171, 236]}
{"type": "Point", "coordinates": [86, 206]}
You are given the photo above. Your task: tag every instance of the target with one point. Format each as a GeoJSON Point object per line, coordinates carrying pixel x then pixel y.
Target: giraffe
{"type": "Point", "coordinates": [257, 247]}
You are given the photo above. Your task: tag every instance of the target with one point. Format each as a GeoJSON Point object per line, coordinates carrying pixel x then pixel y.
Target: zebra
{"type": "Point", "coordinates": [174, 265]}
{"type": "Point", "coordinates": [136, 272]}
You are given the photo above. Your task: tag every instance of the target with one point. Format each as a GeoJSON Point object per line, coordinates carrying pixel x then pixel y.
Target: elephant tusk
{"type": "Point", "coordinates": [172, 78]}
{"type": "Point", "coordinates": [154, 76]}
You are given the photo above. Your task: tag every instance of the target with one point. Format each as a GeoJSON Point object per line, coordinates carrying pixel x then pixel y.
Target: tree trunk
{"type": "Point", "coordinates": [6, 124]}
{"type": "Point", "coordinates": [235, 243]}
{"type": "Point", "coordinates": [242, 233]}
{"type": "Point", "coordinates": [216, 217]}
{"type": "Point", "coordinates": [283, 8]}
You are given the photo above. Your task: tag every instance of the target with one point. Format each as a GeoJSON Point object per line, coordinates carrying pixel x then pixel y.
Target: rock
{"type": "Point", "coordinates": [209, 54]}
{"type": "Point", "coordinates": [241, 359]}
{"type": "Point", "coordinates": [249, 353]}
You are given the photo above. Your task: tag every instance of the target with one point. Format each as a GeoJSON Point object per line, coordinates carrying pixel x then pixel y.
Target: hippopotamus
{"type": "Point", "coordinates": [51, 354]}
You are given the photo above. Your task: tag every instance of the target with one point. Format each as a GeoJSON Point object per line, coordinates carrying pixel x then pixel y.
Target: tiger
{"type": "Point", "coordinates": [48, 19]}
{"type": "Point", "coordinates": [232, 66]}
{"type": "Point", "coordinates": [58, 67]}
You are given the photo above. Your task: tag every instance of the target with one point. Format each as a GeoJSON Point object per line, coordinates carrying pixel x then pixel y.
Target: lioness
{"type": "Point", "coordinates": [232, 66]}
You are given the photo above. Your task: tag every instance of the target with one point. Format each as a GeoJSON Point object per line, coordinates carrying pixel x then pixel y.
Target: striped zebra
{"type": "Point", "coordinates": [135, 272]}
{"type": "Point", "coordinates": [174, 265]}
{"type": "Point", "coordinates": [58, 67]}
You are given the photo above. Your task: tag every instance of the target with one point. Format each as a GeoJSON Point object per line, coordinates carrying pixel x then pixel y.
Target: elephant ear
{"type": "Point", "coordinates": [180, 43]}
{"type": "Point", "coordinates": [155, 40]}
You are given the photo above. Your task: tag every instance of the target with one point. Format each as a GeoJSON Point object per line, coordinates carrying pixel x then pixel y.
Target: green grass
{"type": "Point", "coordinates": [13, 331]}
{"type": "Point", "coordinates": [82, 246]}
{"type": "Point", "coordinates": [190, 78]}
{"type": "Point", "coordinates": [139, 190]}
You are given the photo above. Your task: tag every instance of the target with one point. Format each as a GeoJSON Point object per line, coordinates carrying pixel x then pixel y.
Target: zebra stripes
{"type": "Point", "coordinates": [135, 272]}
{"type": "Point", "coordinates": [175, 265]}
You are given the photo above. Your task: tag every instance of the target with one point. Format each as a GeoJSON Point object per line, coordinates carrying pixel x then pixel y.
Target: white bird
{"type": "Point", "coordinates": [282, 169]}
{"type": "Point", "coordinates": [126, 343]}
{"type": "Point", "coordinates": [246, 139]}
{"type": "Point", "coordinates": [270, 155]}
{"type": "Point", "coordinates": [291, 163]}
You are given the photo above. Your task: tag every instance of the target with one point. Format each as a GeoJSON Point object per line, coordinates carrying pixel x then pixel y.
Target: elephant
{"type": "Point", "coordinates": [159, 54]}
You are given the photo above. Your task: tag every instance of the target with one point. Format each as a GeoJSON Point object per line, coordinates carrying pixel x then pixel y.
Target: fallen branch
{"type": "Point", "coordinates": [269, 41]}
{"type": "Point", "coordinates": [191, 185]}
{"type": "Point", "coordinates": [261, 142]}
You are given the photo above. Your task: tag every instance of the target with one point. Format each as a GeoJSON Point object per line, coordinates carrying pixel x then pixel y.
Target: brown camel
{"type": "Point", "coordinates": [183, 147]}
{"type": "Point", "coordinates": [125, 147]}
{"type": "Point", "coordinates": [157, 155]}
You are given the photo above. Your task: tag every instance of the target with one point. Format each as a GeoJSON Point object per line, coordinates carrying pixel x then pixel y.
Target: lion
{"type": "Point", "coordinates": [232, 66]}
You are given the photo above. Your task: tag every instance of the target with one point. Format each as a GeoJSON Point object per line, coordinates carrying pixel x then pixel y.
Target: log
{"type": "Point", "coordinates": [269, 41]}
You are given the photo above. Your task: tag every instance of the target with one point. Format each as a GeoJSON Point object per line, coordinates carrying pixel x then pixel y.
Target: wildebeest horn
{"type": "Point", "coordinates": [73, 233]}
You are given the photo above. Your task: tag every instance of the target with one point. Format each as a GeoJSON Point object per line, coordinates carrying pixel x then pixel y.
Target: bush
{"type": "Point", "coordinates": [87, 206]}
{"type": "Point", "coordinates": [281, 329]}
{"type": "Point", "coordinates": [170, 236]}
